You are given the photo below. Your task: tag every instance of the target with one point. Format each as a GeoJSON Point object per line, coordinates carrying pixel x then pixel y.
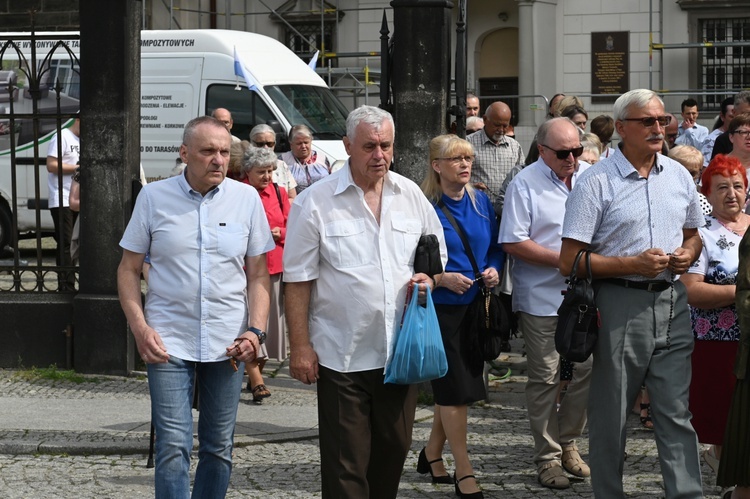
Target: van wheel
{"type": "Point", "coordinates": [5, 227]}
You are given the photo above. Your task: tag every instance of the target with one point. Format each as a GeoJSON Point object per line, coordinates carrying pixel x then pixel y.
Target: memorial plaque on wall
{"type": "Point", "coordinates": [610, 68]}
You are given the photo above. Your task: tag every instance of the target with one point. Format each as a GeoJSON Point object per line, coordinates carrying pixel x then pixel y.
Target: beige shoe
{"type": "Point", "coordinates": [572, 462]}
{"type": "Point", "coordinates": [551, 476]}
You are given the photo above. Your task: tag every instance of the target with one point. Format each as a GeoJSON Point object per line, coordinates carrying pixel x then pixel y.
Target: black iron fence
{"type": "Point", "coordinates": [39, 97]}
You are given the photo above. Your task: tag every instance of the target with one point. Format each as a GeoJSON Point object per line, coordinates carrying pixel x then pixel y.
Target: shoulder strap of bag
{"type": "Point", "coordinates": [461, 234]}
{"type": "Point", "coordinates": [278, 196]}
{"type": "Point", "coordinates": [589, 274]}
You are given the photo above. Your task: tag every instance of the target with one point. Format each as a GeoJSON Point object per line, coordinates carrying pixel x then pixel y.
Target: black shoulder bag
{"type": "Point", "coordinates": [427, 256]}
{"type": "Point", "coordinates": [486, 322]}
{"type": "Point", "coordinates": [578, 318]}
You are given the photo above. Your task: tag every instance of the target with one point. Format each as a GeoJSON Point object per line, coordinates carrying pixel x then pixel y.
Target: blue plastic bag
{"type": "Point", "coordinates": [418, 352]}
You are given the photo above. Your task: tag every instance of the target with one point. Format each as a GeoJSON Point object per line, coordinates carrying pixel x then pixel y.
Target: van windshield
{"type": "Point", "coordinates": [315, 107]}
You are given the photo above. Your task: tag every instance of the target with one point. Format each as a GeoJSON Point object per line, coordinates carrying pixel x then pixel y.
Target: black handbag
{"type": "Point", "coordinates": [427, 257]}
{"type": "Point", "coordinates": [578, 318]}
{"type": "Point", "coordinates": [486, 322]}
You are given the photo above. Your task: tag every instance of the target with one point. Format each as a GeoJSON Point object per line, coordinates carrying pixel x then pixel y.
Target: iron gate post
{"type": "Point", "coordinates": [110, 141]}
{"type": "Point", "coordinates": [420, 79]}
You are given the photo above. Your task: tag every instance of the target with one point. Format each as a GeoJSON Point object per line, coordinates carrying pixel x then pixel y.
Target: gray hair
{"type": "Point", "coordinates": [473, 120]}
{"type": "Point", "coordinates": [373, 116]}
{"type": "Point", "coordinates": [256, 157]}
{"type": "Point", "coordinates": [742, 97]}
{"type": "Point", "coordinates": [635, 98]}
{"type": "Point", "coordinates": [189, 132]}
{"type": "Point", "coordinates": [544, 129]}
{"type": "Point", "coordinates": [262, 128]}
{"type": "Point", "coordinates": [303, 130]}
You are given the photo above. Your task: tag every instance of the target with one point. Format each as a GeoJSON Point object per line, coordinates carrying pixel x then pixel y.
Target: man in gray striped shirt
{"type": "Point", "coordinates": [496, 154]}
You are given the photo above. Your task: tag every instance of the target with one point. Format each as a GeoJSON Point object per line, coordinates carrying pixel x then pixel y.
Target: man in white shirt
{"type": "Point", "coordinates": [68, 143]}
{"type": "Point", "coordinates": [531, 231]}
{"type": "Point", "coordinates": [225, 117]}
{"type": "Point", "coordinates": [690, 133]}
{"type": "Point", "coordinates": [348, 262]}
{"type": "Point", "coordinates": [726, 114]}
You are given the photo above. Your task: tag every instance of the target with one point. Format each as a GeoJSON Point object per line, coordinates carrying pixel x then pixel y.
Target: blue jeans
{"type": "Point", "coordinates": [171, 386]}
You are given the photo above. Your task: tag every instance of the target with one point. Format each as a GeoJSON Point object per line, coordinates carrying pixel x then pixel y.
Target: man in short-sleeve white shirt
{"type": "Point", "coordinates": [638, 212]}
{"type": "Point", "coordinates": [531, 231]}
{"type": "Point", "coordinates": [348, 262]}
{"type": "Point", "coordinates": [69, 143]}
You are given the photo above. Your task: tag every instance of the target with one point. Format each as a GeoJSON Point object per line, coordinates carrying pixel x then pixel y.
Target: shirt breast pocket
{"type": "Point", "coordinates": [406, 233]}
{"type": "Point", "coordinates": [231, 240]}
{"type": "Point", "coordinates": [347, 243]}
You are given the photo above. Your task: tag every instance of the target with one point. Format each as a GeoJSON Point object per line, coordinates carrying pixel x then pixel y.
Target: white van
{"type": "Point", "coordinates": [184, 74]}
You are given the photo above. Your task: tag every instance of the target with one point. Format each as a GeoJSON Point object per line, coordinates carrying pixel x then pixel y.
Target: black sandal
{"type": "Point", "coordinates": [646, 421]}
{"type": "Point", "coordinates": [259, 393]}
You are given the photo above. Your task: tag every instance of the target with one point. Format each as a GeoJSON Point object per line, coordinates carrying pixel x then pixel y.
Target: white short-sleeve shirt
{"type": "Point", "coordinates": [360, 270]}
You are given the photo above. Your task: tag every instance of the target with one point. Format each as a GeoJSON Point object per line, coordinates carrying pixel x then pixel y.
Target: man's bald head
{"type": "Point", "coordinates": [496, 120]}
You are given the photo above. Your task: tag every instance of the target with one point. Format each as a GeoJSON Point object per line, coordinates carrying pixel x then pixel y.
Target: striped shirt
{"type": "Point", "coordinates": [493, 161]}
{"type": "Point", "coordinates": [620, 213]}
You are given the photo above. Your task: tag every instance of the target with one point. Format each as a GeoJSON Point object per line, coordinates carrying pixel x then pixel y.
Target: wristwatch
{"type": "Point", "coordinates": [260, 334]}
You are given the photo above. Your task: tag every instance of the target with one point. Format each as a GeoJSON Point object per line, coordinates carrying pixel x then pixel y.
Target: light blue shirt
{"type": "Point", "coordinates": [620, 213]}
{"type": "Point", "coordinates": [692, 136]}
{"type": "Point", "coordinates": [534, 210]}
{"type": "Point", "coordinates": [707, 147]}
{"type": "Point", "coordinates": [197, 298]}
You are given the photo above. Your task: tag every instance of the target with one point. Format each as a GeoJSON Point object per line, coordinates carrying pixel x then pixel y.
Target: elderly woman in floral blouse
{"type": "Point", "coordinates": [710, 284]}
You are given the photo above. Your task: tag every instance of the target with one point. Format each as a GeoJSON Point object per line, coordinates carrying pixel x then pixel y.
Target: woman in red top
{"type": "Point", "coordinates": [258, 165]}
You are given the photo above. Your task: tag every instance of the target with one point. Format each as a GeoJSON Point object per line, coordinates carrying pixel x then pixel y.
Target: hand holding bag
{"type": "Point", "coordinates": [418, 352]}
{"type": "Point", "coordinates": [578, 318]}
{"type": "Point", "coordinates": [487, 323]}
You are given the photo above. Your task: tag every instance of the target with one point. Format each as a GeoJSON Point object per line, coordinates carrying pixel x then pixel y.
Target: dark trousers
{"type": "Point", "coordinates": [365, 433]}
{"type": "Point", "coordinates": [63, 233]}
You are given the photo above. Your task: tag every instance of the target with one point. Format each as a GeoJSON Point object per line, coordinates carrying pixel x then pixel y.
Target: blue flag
{"type": "Point", "coordinates": [241, 70]}
{"type": "Point", "coordinates": [314, 61]}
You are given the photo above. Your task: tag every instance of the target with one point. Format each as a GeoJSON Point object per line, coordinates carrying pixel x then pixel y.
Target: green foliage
{"type": "Point", "coordinates": [52, 373]}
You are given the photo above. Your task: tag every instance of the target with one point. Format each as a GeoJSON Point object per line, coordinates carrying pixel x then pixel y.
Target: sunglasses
{"type": "Point", "coordinates": [649, 121]}
{"type": "Point", "coordinates": [264, 144]}
{"type": "Point", "coordinates": [566, 152]}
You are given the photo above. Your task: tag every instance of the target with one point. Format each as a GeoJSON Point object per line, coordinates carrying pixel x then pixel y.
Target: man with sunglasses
{"type": "Point", "coordinates": [264, 136]}
{"type": "Point", "coordinates": [531, 231]}
{"type": "Point", "coordinates": [496, 153]}
{"type": "Point", "coordinates": [639, 213]}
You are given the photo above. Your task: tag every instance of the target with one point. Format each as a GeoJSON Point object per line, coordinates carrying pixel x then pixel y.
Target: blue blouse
{"type": "Point", "coordinates": [481, 229]}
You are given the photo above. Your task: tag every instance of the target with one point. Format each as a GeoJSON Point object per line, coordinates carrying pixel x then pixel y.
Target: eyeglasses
{"type": "Point", "coordinates": [567, 152]}
{"type": "Point", "coordinates": [457, 159]}
{"type": "Point", "coordinates": [649, 121]}
{"type": "Point", "coordinates": [264, 144]}
{"type": "Point", "coordinates": [742, 133]}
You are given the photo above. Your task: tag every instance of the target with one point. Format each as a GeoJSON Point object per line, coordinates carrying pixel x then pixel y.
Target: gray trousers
{"type": "Point", "coordinates": [632, 349]}
{"type": "Point", "coordinates": [551, 428]}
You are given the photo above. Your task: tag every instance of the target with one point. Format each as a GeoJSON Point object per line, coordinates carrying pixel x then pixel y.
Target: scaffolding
{"type": "Point", "coordinates": [358, 83]}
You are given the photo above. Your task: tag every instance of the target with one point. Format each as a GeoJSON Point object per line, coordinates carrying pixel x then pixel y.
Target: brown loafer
{"type": "Point", "coordinates": [572, 462]}
{"type": "Point", "coordinates": [551, 476]}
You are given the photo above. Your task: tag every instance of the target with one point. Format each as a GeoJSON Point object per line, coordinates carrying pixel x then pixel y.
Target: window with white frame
{"type": "Point", "coordinates": [724, 68]}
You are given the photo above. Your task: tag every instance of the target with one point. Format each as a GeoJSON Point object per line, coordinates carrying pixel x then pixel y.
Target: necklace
{"type": "Point", "coordinates": [734, 231]}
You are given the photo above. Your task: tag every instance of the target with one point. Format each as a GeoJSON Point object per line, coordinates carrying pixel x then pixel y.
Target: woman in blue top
{"type": "Point", "coordinates": [447, 179]}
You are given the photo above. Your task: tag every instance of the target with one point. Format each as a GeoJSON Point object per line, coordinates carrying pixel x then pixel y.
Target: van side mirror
{"type": "Point", "coordinates": [282, 141]}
